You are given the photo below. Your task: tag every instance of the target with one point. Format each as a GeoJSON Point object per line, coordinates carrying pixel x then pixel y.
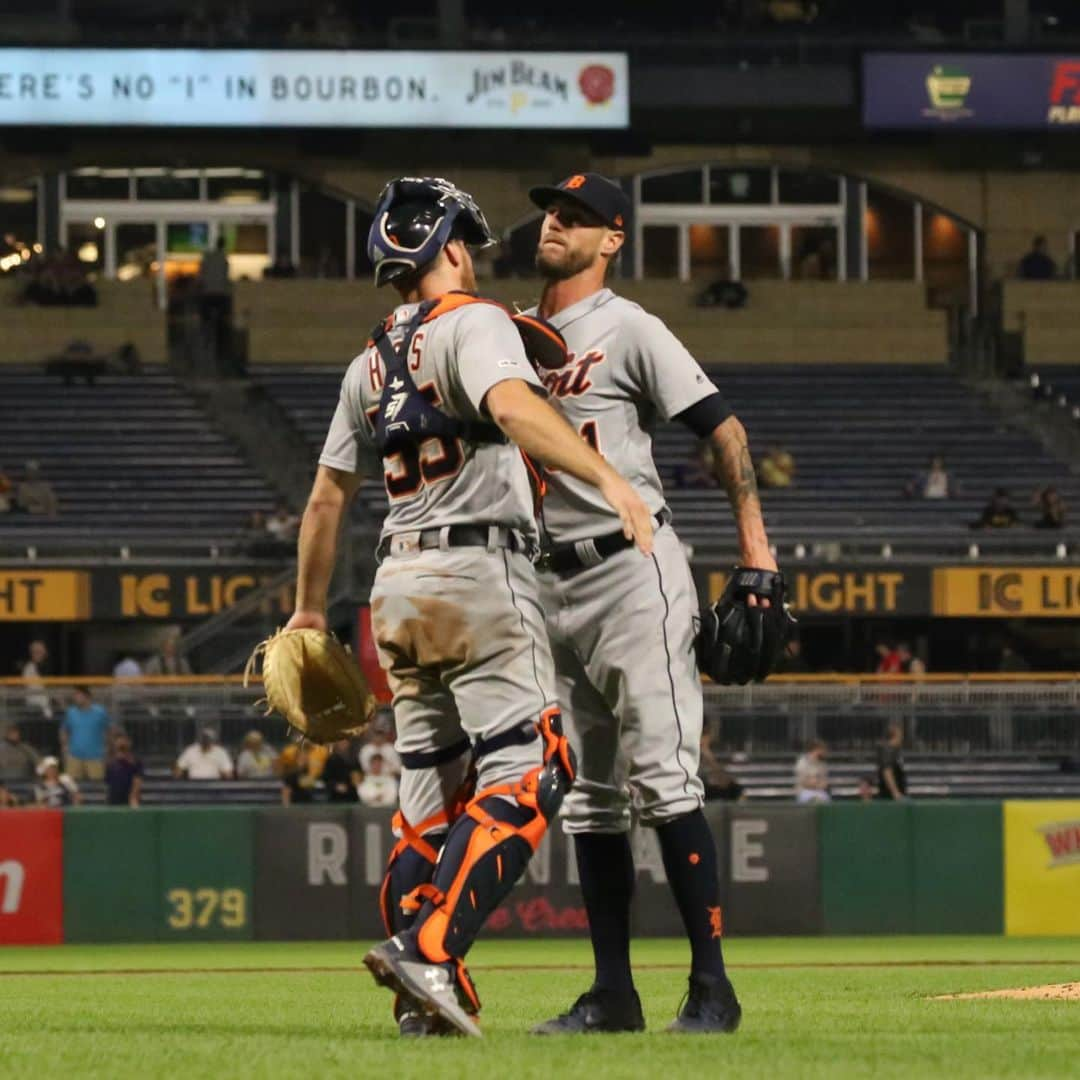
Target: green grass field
{"type": "Point", "coordinates": [812, 1007]}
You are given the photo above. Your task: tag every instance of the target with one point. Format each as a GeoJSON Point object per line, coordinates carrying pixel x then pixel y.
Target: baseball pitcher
{"type": "Point", "coordinates": [623, 634]}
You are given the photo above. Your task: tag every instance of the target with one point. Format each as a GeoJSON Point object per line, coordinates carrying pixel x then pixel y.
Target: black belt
{"type": "Point", "coordinates": [577, 556]}
{"type": "Point", "coordinates": [456, 536]}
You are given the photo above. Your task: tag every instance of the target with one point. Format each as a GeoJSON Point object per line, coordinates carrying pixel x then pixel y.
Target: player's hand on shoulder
{"type": "Point", "coordinates": [637, 522]}
{"type": "Point", "coordinates": [306, 620]}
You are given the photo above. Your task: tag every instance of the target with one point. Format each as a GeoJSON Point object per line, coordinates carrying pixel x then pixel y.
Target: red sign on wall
{"type": "Point", "coordinates": [31, 877]}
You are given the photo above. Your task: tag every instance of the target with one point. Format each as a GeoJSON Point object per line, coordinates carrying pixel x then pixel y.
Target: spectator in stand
{"type": "Point", "coordinates": [283, 525]}
{"type": "Point", "coordinates": [812, 775]}
{"type": "Point", "coordinates": [8, 799]}
{"type": "Point", "coordinates": [891, 777]}
{"type": "Point", "coordinates": [719, 783]}
{"type": "Point", "coordinates": [699, 471]}
{"type": "Point", "coordinates": [998, 513]}
{"type": "Point", "coordinates": [7, 491]}
{"type": "Point", "coordinates": [127, 667]}
{"type": "Point", "coordinates": [297, 780]}
{"type": "Point", "coordinates": [935, 483]}
{"type": "Point", "coordinates": [32, 671]}
{"type": "Point", "coordinates": [83, 736]}
{"type": "Point", "coordinates": [123, 775]}
{"type": "Point", "coordinates": [793, 662]}
{"type": "Point", "coordinates": [1051, 508]}
{"type": "Point", "coordinates": [889, 660]}
{"type": "Point", "coordinates": [282, 268]}
{"type": "Point", "coordinates": [776, 469]}
{"type": "Point", "coordinates": [866, 790]}
{"type": "Point", "coordinates": [380, 740]}
{"type": "Point", "coordinates": [168, 660]}
{"type": "Point", "coordinates": [256, 760]}
{"type": "Point", "coordinates": [54, 788]}
{"type": "Point", "coordinates": [1036, 265]}
{"type": "Point", "coordinates": [215, 301]}
{"type": "Point", "coordinates": [204, 759]}
{"type": "Point", "coordinates": [379, 787]}
{"type": "Point", "coordinates": [341, 774]}
{"type": "Point", "coordinates": [35, 495]}
{"type": "Point", "coordinates": [910, 664]}
{"type": "Point", "coordinates": [1011, 661]}
{"type": "Point", "coordinates": [18, 760]}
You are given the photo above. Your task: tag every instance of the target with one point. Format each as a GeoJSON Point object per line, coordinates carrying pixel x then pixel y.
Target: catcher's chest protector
{"type": "Point", "coordinates": [406, 417]}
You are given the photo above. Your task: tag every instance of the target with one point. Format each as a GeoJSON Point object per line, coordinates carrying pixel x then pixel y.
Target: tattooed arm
{"type": "Point", "coordinates": [734, 469]}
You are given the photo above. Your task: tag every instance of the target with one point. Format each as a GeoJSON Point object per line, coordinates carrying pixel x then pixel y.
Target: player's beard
{"type": "Point", "coordinates": [563, 265]}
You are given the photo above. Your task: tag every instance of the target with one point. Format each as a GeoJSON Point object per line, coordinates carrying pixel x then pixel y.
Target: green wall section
{"type": "Point", "coordinates": [243, 872]}
{"type": "Point", "coordinates": [957, 868]}
{"type": "Point", "coordinates": [906, 868]}
{"type": "Point", "coordinates": [111, 875]}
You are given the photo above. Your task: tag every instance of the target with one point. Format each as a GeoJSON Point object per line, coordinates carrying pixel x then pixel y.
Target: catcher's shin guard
{"type": "Point", "coordinates": [488, 849]}
{"type": "Point", "coordinates": [411, 865]}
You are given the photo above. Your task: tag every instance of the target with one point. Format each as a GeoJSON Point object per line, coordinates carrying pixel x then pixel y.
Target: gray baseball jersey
{"type": "Point", "coordinates": [458, 630]}
{"type": "Point", "coordinates": [454, 360]}
{"type": "Point", "coordinates": [622, 630]}
{"type": "Point", "coordinates": [626, 368]}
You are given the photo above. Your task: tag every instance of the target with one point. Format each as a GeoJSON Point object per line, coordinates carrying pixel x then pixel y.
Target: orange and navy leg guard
{"type": "Point", "coordinates": [410, 868]}
{"type": "Point", "coordinates": [489, 847]}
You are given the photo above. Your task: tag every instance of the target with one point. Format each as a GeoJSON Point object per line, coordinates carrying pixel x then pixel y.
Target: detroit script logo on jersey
{"type": "Point", "coordinates": [572, 379]}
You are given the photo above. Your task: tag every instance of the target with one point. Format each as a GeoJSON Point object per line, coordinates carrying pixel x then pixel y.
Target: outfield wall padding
{"type": "Point", "coordinates": [111, 890]}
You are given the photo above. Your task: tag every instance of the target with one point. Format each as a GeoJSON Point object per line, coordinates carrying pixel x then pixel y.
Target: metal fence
{"type": "Point", "coordinates": [950, 714]}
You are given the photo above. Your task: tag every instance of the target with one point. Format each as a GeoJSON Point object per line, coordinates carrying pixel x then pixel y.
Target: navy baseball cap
{"type": "Point", "coordinates": [595, 192]}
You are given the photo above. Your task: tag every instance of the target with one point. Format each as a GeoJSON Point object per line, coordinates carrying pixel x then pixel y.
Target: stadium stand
{"type": "Point", "coordinates": [132, 458]}
{"type": "Point", "coordinates": [880, 322]}
{"type": "Point", "coordinates": [125, 314]}
{"type": "Point", "coordinates": [1048, 313]}
{"type": "Point", "coordinates": [858, 434]}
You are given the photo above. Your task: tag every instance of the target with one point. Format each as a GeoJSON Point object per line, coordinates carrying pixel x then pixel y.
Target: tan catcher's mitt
{"type": "Point", "coordinates": [312, 680]}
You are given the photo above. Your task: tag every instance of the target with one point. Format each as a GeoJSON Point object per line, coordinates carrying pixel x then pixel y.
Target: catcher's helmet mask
{"type": "Point", "coordinates": [415, 218]}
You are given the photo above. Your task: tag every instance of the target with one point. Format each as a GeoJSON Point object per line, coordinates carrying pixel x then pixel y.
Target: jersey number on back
{"type": "Point", "coordinates": [432, 460]}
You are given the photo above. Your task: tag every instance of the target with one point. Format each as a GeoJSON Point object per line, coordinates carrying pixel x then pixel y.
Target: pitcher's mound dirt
{"type": "Point", "coordinates": [1054, 992]}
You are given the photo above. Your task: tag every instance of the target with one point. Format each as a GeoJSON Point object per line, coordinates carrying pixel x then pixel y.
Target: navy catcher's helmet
{"type": "Point", "coordinates": [415, 218]}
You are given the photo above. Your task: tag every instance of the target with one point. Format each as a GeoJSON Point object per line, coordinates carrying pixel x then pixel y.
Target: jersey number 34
{"type": "Point", "coordinates": [428, 462]}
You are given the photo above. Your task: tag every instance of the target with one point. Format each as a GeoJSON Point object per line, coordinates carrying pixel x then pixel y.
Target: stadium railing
{"type": "Point", "coordinates": [968, 714]}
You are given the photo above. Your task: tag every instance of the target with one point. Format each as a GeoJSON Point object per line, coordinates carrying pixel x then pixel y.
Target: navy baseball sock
{"type": "Point", "coordinates": [690, 863]}
{"type": "Point", "coordinates": [606, 869]}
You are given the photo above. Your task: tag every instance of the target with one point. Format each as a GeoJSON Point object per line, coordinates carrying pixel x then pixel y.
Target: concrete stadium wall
{"type": "Point", "coordinates": [270, 873]}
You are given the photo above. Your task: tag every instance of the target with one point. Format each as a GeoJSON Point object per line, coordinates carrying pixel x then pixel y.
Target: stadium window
{"type": "Point", "coordinates": [945, 252]}
{"type": "Point", "coordinates": [87, 242]}
{"type": "Point", "coordinates": [709, 253]}
{"type": "Point", "coordinates": [808, 188]}
{"type": "Point", "coordinates": [814, 252]}
{"type": "Point", "coordinates": [162, 185]}
{"type": "Point", "coordinates": [322, 234]}
{"type": "Point", "coordinates": [660, 250]}
{"type": "Point", "coordinates": [97, 184]}
{"type": "Point", "coordinates": [136, 250]}
{"type": "Point", "coordinates": [890, 236]}
{"type": "Point", "coordinates": [740, 186]}
{"type": "Point", "coordinates": [237, 185]}
{"type": "Point", "coordinates": [18, 224]}
{"type": "Point", "coordinates": [679, 187]}
{"type": "Point", "coordinates": [759, 252]}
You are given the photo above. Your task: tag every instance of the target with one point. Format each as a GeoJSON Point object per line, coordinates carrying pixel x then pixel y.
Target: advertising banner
{"type": "Point", "coordinates": [773, 885]}
{"type": "Point", "coordinates": [1007, 591]}
{"type": "Point", "coordinates": [307, 88]}
{"type": "Point", "coordinates": [1042, 867]}
{"type": "Point", "coordinates": [971, 90]}
{"type": "Point", "coordinates": [31, 877]}
{"type": "Point", "coordinates": [841, 590]}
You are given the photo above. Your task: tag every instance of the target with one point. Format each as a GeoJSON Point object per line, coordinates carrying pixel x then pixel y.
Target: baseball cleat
{"type": "Point", "coordinates": [597, 1011]}
{"type": "Point", "coordinates": [434, 989]}
{"type": "Point", "coordinates": [710, 1007]}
